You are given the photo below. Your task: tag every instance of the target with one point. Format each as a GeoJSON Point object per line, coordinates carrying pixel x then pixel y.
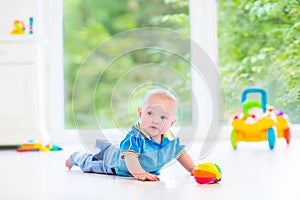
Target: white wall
{"type": "Point", "coordinates": [17, 10]}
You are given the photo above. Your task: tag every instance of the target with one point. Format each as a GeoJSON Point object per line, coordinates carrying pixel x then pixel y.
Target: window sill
{"type": "Point", "coordinates": [115, 135]}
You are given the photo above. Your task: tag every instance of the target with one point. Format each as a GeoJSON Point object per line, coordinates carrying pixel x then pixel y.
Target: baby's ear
{"type": "Point", "coordinates": [139, 111]}
{"type": "Point", "coordinates": [174, 121]}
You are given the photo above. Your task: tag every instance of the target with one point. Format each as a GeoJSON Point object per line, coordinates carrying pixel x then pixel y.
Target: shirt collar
{"type": "Point", "coordinates": [138, 127]}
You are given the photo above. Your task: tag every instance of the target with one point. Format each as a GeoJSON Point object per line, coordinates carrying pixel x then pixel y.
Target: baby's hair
{"type": "Point", "coordinates": [160, 92]}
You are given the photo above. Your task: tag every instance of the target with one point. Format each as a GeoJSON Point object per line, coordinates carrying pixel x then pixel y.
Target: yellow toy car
{"type": "Point", "coordinates": [259, 122]}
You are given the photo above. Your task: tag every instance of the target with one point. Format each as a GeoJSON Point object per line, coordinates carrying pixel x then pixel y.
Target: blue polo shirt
{"type": "Point", "coordinates": [151, 155]}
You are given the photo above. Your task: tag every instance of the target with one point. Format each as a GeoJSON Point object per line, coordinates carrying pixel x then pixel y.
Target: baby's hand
{"type": "Point", "coordinates": [146, 177]}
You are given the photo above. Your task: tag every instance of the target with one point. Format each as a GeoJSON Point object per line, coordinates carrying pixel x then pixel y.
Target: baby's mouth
{"type": "Point", "coordinates": [153, 127]}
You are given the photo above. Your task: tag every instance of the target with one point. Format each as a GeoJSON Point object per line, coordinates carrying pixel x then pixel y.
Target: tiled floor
{"type": "Point", "coordinates": [251, 172]}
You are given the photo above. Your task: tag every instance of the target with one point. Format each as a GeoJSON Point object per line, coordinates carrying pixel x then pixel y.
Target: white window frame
{"type": "Point", "coordinates": [53, 33]}
{"type": "Point", "coordinates": [203, 16]}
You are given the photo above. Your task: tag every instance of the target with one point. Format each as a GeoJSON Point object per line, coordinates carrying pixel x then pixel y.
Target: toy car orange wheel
{"type": "Point", "coordinates": [287, 135]}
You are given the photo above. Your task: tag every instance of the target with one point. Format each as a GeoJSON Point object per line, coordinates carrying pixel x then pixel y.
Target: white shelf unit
{"type": "Point", "coordinates": [21, 90]}
{"type": "Point", "coordinates": [22, 74]}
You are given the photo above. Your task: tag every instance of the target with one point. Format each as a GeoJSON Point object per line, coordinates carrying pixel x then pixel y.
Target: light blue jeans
{"type": "Point", "coordinates": [93, 163]}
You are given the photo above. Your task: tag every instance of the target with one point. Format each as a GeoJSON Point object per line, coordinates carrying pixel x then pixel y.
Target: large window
{"type": "Point", "coordinates": [258, 46]}
{"type": "Point", "coordinates": [88, 25]}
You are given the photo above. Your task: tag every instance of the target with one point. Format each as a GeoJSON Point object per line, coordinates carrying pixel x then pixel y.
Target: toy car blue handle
{"type": "Point", "coordinates": [256, 90]}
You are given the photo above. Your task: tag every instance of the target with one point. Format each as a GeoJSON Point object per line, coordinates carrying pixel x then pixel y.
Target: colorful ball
{"type": "Point", "coordinates": [207, 173]}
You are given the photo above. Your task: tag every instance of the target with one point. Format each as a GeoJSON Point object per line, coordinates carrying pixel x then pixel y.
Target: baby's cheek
{"type": "Point", "coordinates": [145, 122]}
{"type": "Point", "coordinates": [168, 125]}
{"type": "Point", "coordinates": [165, 127]}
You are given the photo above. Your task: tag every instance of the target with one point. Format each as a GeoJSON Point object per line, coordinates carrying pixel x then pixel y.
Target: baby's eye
{"type": "Point", "coordinates": [149, 113]}
{"type": "Point", "coordinates": [163, 117]}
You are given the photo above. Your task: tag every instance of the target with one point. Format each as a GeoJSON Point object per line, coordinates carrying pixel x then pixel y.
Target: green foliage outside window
{"type": "Point", "coordinates": [259, 45]}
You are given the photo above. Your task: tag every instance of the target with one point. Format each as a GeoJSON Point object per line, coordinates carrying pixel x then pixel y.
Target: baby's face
{"type": "Point", "coordinates": [157, 115]}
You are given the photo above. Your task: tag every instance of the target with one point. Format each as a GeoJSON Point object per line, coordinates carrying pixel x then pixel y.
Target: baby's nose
{"type": "Point", "coordinates": [155, 119]}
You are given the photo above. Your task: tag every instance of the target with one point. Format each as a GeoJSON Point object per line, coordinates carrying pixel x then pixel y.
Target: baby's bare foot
{"type": "Point", "coordinates": [68, 165]}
